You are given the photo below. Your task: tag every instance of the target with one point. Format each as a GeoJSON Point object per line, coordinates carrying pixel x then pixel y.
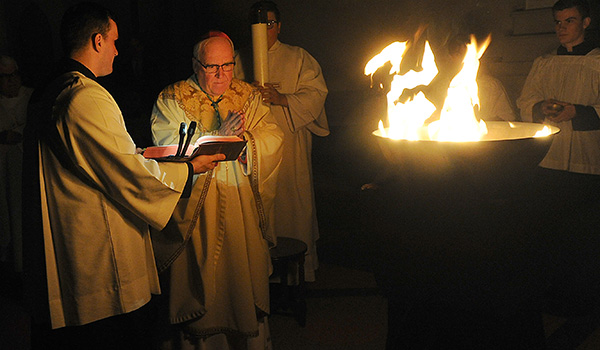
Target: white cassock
{"type": "Point", "coordinates": [98, 253]}
{"type": "Point", "coordinates": [298, 75]}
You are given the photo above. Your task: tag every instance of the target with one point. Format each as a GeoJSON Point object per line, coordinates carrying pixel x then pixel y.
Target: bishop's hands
{"type": "Point", "coordinates": [270, 95]}
{"type": "Point", "coordinates": [233, 125]}
{"type": "Point", "coordinates": [554, 110]}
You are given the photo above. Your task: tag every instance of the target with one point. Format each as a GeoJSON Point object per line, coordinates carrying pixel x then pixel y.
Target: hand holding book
{"type": "Point", "coordinates": [205, 163]}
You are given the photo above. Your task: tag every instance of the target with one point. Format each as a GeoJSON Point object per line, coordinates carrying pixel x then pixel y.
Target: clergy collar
{"type": "Point", "coordinates": [579, 50]}
{"type": "Point", "coordinates": [70, 65]}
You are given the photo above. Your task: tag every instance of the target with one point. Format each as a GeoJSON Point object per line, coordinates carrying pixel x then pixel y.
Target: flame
{"type": "Point", "coordinates": [405, 118]}
{"type": "Point", "coordinates": [544, 132]}
{"type": "Point", "coordinates": [458, 120]}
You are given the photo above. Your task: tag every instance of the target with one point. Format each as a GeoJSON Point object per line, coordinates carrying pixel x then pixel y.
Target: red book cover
{"type": "Point", "coordinates": [230, 146]}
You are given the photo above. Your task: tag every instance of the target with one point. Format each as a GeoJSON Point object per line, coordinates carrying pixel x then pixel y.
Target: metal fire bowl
{"type": "Point", "coordinates": [506, 154]}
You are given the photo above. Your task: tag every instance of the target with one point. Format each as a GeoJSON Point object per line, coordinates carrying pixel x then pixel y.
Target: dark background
{"type": "Point", "coordinates": [341, 35]}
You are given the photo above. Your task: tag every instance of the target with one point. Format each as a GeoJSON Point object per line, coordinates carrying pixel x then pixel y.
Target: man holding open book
{"type": "Point", "coordinates": [89, 198]}
{"type": "Point", "coordinates": [216, 246]}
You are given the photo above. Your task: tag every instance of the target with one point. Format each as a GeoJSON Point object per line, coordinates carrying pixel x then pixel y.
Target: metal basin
{"type": "Point", "coordinates": [508, 154]}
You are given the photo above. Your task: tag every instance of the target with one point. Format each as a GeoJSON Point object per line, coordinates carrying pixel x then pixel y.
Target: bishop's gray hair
{"type": "Point", "coordinates": [200, 47]}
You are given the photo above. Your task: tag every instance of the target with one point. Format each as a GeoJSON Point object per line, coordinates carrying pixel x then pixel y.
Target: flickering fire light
{"type": "Point", "coordinates": [459, 120]}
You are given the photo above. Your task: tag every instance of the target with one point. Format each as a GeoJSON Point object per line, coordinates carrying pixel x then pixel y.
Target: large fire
{"type": "Point", "coordinates": [458, 119]}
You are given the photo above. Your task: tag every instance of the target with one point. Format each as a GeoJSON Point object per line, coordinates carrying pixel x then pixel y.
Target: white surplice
{"type": "Point", "coordinates": [98, 254]}
{"type": "Point", "coordinates": [573, 79]}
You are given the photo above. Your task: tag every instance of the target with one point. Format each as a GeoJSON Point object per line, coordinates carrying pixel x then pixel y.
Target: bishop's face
{"type": "Point", "coordinates": [570, 27]}
{"type": "Point", "coordinates": [217, 53]}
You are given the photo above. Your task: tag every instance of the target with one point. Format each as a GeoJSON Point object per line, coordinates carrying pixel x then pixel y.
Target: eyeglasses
{"type": "Point", "coordinates": [271, 23]}
{"type": "Point", "coordinates": [14, 74]}
{"type": "Point", "coordinates": [214, 68]}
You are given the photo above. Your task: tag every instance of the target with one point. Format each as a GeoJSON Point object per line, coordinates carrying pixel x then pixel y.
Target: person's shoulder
{"type": "Point", "coordinates": [77, 82]}
{"type": "Point", "coordinates": [78, 90]}
{"type": "Point", "coordinates": [244, 89]}
{"type": "Point", "coordinates": [292, 48]}
{"type": "Point", "coordinates": [544, 59]}
{"type": "Point", "coordinates": [548, 55]}
{"type": "Point", "coordinates": [177, 88]}
{"type": "Point", "coordinates": [237, 84]}
{"type": "Point", "coordinates": [179, 85]}
{"type": "Point", "coordinates": [595, 52]}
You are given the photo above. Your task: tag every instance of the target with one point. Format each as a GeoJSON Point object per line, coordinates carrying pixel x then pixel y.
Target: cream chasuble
{"type": "Point", "coordinates": [220, 278]}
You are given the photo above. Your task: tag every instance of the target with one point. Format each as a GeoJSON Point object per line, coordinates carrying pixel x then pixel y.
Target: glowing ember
{"type": "Point", "coordinates": [458, 120]}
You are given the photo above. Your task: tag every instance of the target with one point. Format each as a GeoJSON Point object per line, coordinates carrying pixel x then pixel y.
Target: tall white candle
{"type": "Point", "coordinates": [259, 50]}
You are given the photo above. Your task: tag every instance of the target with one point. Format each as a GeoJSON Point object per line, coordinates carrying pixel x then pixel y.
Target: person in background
{"type": "Point", "coordinates": [296, 96]}
{"type": "Point", "coordinates": [562, 90]}
{"type": "Point", "coordinates": [90, 265]}
{"type": "Point", "coordinates": [14, 98]}
{"type": "Point", "coordinates": [495, 105]}
{"type": "Point", "coordinates": [217, 271]}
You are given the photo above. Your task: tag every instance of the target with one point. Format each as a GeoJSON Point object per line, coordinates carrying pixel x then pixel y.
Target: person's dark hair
{"type": "Point", "coordinates": [265, 5]}
{"type": "Point", "coordinates": [80, 23]}
{"type": "Point", "coordinates": [581, 5]}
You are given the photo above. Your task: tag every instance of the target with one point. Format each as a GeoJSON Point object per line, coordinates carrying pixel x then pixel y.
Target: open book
{"type": "Point", "coordinates": [230, 146]}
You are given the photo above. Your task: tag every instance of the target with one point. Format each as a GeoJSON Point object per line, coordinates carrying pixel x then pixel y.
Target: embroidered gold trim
{"type": "Point", "coordinates": [262, 217]}
{"type": "Point", "coordinates": [195, 219]}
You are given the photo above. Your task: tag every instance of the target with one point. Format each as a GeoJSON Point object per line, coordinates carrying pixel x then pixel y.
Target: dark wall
{"type": "Point", "coordinates": [341, 35]}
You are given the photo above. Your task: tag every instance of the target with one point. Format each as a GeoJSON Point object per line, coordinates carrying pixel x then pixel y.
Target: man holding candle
{"type": "Point", "coordinates": [296, 94]}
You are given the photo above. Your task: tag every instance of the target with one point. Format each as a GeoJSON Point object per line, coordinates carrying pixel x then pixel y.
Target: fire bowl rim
{"type": "Point", "coordinates": [553, 131]}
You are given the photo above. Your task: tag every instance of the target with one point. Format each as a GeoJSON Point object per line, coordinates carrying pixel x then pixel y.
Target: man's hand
{"type": "Point", "coordinates": [205, 163]}
{"type": "Point", "coordinates": [558, 111]}
{"type": "Point", "coordinates": [233, 125]}
{"type": "Point", "coordinates": [271, 95]}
